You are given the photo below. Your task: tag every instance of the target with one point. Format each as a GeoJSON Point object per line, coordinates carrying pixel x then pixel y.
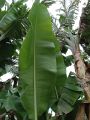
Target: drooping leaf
{"type": "Point", "coordinates": [13, 22]}
{"type": "Point", "coordinates": [37, 63]}
{"type": "Point", "coordinates": [7, 19]}
{"type": "Point", "coordinates": [70, 94]}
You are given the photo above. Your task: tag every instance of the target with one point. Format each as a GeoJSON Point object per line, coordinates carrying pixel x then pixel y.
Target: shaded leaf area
{"type": "Point", "coordinates": [38, 63]}
{"type": "Point", "coordinates": [10, 103]}
{"type": "Point", "coordinates": [72, 114]}
{"type": "Point", "coordinates": [13, 27]}
{"type": "Point", "coordinates": [68, 60]}
{"type": "Point", "coordinates": [2, 2]}
{"type": "Point", "coordinates": [6, 53]}
{"type": "Point", "coordinates": [84, 29]}
{"type": "Point", "coordinates": [69, 95]}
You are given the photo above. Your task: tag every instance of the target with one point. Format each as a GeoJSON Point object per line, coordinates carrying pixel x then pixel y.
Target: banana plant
{"type": "Point", "coordinates": [42, 69]}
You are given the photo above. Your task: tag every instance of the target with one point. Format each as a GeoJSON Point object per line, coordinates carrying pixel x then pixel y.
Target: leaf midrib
{"type": "Point", "coordinates": [35, 93]}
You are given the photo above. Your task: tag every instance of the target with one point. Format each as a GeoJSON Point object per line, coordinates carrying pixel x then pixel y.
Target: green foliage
{"type": "Point", "coordinates": [9, 101]}
{"type": "Point", "coordinates": [67, 96]}
{"type": "Point", "coordinates": [37, 63]}
{"type": "Point", "coordinates": [43, 82]}
{"type": "Point", "coordinates": [68, 60]}
{"type": "Point", "coordinates": [38, 69]}
{"type": "Point", "coordinates": [65, 33]}
{"type": "Point", "coordinates": [15, 17]}
{"type": "Point", "coordinates": [67, 18]}
{"type": "Point", "coordinates": [2, 2]}
{"type": "Point", "coordinates": [70, 94]}
{"type": "Point", "coordinates": [85, 29]}
{"type": "Point", "coordinates": [13, 27]}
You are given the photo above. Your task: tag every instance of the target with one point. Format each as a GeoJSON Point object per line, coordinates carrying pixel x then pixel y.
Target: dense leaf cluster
{"type": "Point", "coordinates": [84, 30]}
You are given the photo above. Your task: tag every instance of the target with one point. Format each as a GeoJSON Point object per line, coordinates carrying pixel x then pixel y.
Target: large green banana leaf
{"type": "Point", "coordinates": [37, 63]}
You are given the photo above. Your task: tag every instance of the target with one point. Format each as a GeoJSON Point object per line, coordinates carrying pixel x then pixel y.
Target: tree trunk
{"type": "Point", "coordinates": [81, 112]}
{"type": "Point", "coordinates": [83, 76]}
{"type": "Point", "coordinates": [87, 110]}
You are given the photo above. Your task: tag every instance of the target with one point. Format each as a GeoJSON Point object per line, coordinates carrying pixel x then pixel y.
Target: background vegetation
{"type": "Point", "coordinates": [32, 48]}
